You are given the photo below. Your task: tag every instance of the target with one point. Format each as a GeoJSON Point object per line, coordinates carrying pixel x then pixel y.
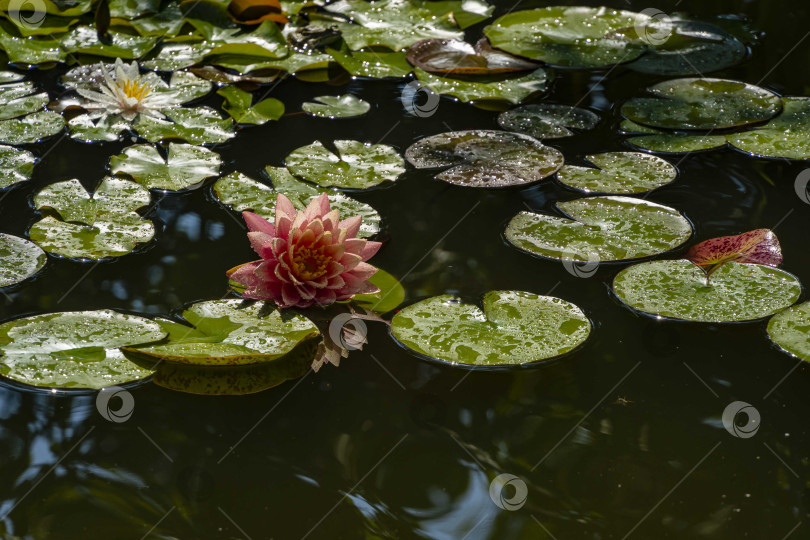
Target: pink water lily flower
{"type": "Point", "coordinates": [307, 258]}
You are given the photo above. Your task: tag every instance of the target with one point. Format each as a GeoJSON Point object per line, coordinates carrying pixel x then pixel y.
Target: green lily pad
{"type": "Point", "coordinates": [372, 64]}
{"type": "Point", "coordinates": [547, 120]}
{"type": "Point", "coordinates": [177, 55]}
{"type": "Point", "coordinates": [575, 36]}
{"type": "Point", "coordinates": [356, 165]}
{"type": "Point", "coordinates": [510, 87]}
{"type": "Point", "coordinates": [228, 333]}
{"type": "Point", "coordinates": [786, 136]}
{"type": "Point", "coordinates": [32, 128]}
{"type": "Point", "coordinates": [75, 349]}
{"type": "Point", "coordinates": [19, 259]}
{"type": "Point", "coordinates": [485, 158]}
{"type": "Point", "coordinates": [76, 224]}
{"type": "Point", "coordinates": [242, 193]}
{"type": "Point", "coordinates": [680, 290]}
{"type": "Point", "coordinates": [236, 380]}
{"type": "Point", "coordinates": [109, 127]}
{"type": "Point", "coordinates": [391, 294]}
{"type": "Point", "coordinates": [790, 330]}
{"type": "Point", "coordinates": [294, 62]}
{"type": "Point", "coordinates": [15, 166]}
{"type": "Point", "coordinates": [239, 104]}
{"type": "Point", "coordinates": [345, 106]}
{"type": "Point", "coordinates": [600, 228]}
{"type": "Point", "coordinates": [84, 39]}
{"type": "Point", "coordinates": [264, 42]}
{"type": "Point", "coordinates": [670, 143]}
{"type": "Point", "coordinates": [198, 125]}
{"type": "Point", "coordinates": [513, 328]}
{"type": "Point", "coordinates": [17, 99]}
{"type": "Point", "coordinates": [32, 51]}
{"type": "Point", "coordinates": [702, 104]}
{"type": "Point", "coordinates": [619, 172]}
{"type": "Point", "coordinates": [689, 48]}
{"type": "Point", "coordinates": [396, 24]}
{"type": "Point", "coordinates": [184, 167]}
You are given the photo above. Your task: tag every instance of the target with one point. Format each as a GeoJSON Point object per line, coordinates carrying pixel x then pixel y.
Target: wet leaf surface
{"type": "Point", "coordinates": [790, 330]}
{"type": "Point", "coordinates": [345, 106]}
{"type": "Point", "coordinates": [547, 120]}
{"type": "Point", "coordinates": [356, 165]}
{"type": "Point", "coordinates": [619, 173]}
{"type": "Point", "coordinates": [184, 166]}
{"type": "Point", "coordinates": [19, 259]}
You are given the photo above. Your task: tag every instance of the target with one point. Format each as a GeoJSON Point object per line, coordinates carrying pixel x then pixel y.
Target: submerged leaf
{"type": "Point", "coordinates": [356, 165]}
{"type": "Point", "coordinates": [77, 349]}
{"type": "Point", "coordinates": [19, 259]}
{"type": "Point", "coordinates": [485, 158]}
{"type": "Point", "coordinates": [759, 246]}
{"type": "Point", "coordinates": [185, 165]}
{"type": "Point", "coordinates": [514, 328]}
{"type": "Point", "coordinates": [678, 289]}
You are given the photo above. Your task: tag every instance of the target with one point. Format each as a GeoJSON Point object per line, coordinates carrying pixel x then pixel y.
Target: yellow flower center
{"type": "Point", "coordinates": [136, 89]}
{"type": "Point", "coordinates": [310, 263]}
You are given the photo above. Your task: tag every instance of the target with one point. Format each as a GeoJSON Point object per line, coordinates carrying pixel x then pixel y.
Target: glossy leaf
{"type": "Point", "coordinates": [508, 88]}
{"type": "Point", "coordinates": [513, 328]}
{"type": "Point", "coordinates": [391, 294]}
{"type": "Point", "coordinates": [547, 120]}
{"type": "Point", "coordinates": [32, 128]}
{"type": "Point", "coordinates": [15, 166]}
{"type": "Point", "coordinates": [239, 104]}
{"type": "Point", "coordinates": [198, 125]}
{"type": "Point", "coordinates": [76, 224]}
{"type": "Point", "coordinates": [679, 290]}
{"type": "Point", "coordinates": [184, 167]}
{"type": "Point", "coordinates": [600, 229]}
{"type": "Point", "coordinates": [256, 11]}
{"type": "Point", "coordinates": [786, 136]}
{"type": "Point", "coordinates": [759, 246]}
{"type": "Point", "coordinates": [229, 333]}
{"type": "Point", "coordinates": [618, 173]}
{"type": "Point", "coordinates": [345, 106]}
{"type": "Point", "coordinates": [242, 193]}
{"type": "Point", "coordinates": [790, 330]}
{"type": "Point", "coordinates": [702, 104]}
{"type": "Point", "coordinates": [569, 36]}
{"type": "Point", "coordinates": [77, 349]}
{"type": "Point", "coordinates": [356, 165]}
{"type": "Point", "coordinates": [459, 57]}
{"type": "Point", "coordinates": [372, 64]}
{"type": "Point", "coordinates": [19, 259]}
{"type": "Point", "coordinates": [17, 99]}
{"type": "Point", "coordinates": [485, 158]}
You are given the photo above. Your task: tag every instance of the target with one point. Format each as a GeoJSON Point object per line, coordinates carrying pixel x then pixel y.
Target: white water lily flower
{"type": "Point", "coordinates": [125, 92]}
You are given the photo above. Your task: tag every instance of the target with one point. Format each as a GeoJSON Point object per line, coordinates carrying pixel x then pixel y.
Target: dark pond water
{"type": "Point", "coordinates": [622, 439]}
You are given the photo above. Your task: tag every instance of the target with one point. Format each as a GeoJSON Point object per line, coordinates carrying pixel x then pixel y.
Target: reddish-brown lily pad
{"type": "Point", "coordinates": [461, 58]}
{"type": "Point", "coordinates": [759, 246]}
{"type": "Point", "coordinates": [256, 11]}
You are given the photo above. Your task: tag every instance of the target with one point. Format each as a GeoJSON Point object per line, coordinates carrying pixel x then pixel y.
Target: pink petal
{"type": "Point", "coordinates": [363, 271]}
{"type": "Point", "coordinates": [317, 207]}
{"type": "Point", "coordinates": [370, 250]}
{"type": "Point", "coordinates": [355, 245]}
{"type": "Point", "coordinates": [350, 260]}
{"type": "Point", "coordinates": [352, 225]}
{"type": "Point", "coordinates": [290, 296]}
{"type": "Point", "coordinates": [331, 221]}
{"type": "Point", "coordinates": [257, 223]}
{"type": "Point", "coordinates": [261, 243]}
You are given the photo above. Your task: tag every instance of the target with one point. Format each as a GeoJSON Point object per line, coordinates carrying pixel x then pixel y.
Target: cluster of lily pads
{"type": "Point", "coordinates": [231, 346]}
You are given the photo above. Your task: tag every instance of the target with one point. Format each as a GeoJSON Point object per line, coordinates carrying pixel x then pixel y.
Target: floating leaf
{"type": "Point", "coordinates": [75, 349]}
{"type": "Point", "coordinates": [790, 330]}
{"type": "Point", "coordinates": [242, 193]}
{"type": "Point", "coordinates": [619, 172]}
{"type": "Point", "coordinates": [569, 36]}
{"type": "Point", "coordinates": [236, 380]}
{"type": "Point", "coordinates": [83, 39]}
{"type": "Point", "coordinates": [485, 158]}
{"type": "Point", "coordinates": [198, 125]}
{"type": "Point", "coordinates": [15, 165]}
{"type": "Point", "coordinates": [513, 328]}
{"type": "Point", "coordinates": [702, 104]}
{"type": "Point", "coordinates": [79, 225]}
{"type": "Point", "coordinates": [459, 57]}
{"type": "Point", "coordinates": [345, 106]}
{"type": "Point", "coordinates": [391, 294]}
{"type": "Point", "coordinates": [689, 48]}
{"type": "Point", "coordinates": [679, 290]}
{"type": "Point", "coordinates": [759, 246]}
{"type": "Point", "coordinates": [19, 259]}
{"type": "Point", "coordinates": [239, 104]}
{"type": "Point", "coordinates": [32, 128]}
{"type": "Point", "coordinates": [229, 333]}
{"type": "Point", "coordinates": [20, 98]}
{"type": "Point", "coordinates": [601, 229]}
{"type": "Point", "coordinates": [372, 64]}
{"type": "Point", "coordinates": [547, 120]}
{"type": "Point", "coordinates": [511, 88]}
{"type": "Point", "coordinates": [678, 144]}
{"type": "Point", "coordinates": [265, 41]}
{"type": "Point", "coordinates": [396, 24]}
{"type": "Point", "coordinates": [356, 165]}
{"type": "Point", "coordinates": [174, 56]}
{"type": "Point", "coordinates": [786, 136]}
{"type": "Point", "coordinates": [185, 165]}
{"type": "Point", "coordinates": [256, 11]}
